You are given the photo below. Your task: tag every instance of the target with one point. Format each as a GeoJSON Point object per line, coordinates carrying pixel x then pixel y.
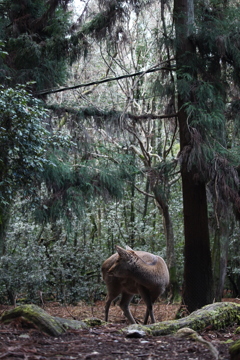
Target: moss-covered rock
{"type": "Point", "coordinates": [234, 351]}
{"type": "Point", "coordinates": [93, 322]}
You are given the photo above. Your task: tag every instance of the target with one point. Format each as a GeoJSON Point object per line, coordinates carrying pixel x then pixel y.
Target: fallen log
{"type": "Point", "coordinates": [43, 321]}
{"type": "Point", "coordinates": [217, 316]}
{"type": "Point", "coordinates": [37, 316]}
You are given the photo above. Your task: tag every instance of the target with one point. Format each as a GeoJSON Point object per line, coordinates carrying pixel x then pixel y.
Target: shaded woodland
{"type": "Point", "coordinates": [145, 155]}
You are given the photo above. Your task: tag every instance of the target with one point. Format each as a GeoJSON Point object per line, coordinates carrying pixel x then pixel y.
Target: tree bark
{"type": "Point", "coordinates": [218, 316]}
{"type": "Point", "coordinates": [4, 221]}
{"type": "Point", "coordinates": [219, 256]}
{"type": "Point", "coordinates": [197, 289]}
{"type": "Point", "coordinates": [170, 244]}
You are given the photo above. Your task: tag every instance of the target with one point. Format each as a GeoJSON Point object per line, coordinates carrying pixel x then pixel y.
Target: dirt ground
{"type": "Point", "coordinates": [18, 341]}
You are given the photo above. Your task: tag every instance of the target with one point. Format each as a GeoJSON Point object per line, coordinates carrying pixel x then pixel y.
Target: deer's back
{"type": "Point", "coordinates": [155, 269]}
{"type": "Point", "coordinates": [157, 275]}
{"type": "Point", "coordinates": [148, 258]}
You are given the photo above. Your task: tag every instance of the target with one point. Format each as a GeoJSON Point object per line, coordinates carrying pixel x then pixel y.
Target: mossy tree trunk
{"type": "Point", "coordinates": [53, 326]}
{"type": "Point", "coordinates": [218, 316]}
{"type": "Point", "coordinates": [37, 316]}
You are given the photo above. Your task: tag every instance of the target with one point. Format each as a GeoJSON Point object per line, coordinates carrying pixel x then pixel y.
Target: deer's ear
{"type": "Point", "coordinates": [121, 252]}
{"type": "Point", "coordinates": [126, 254]}
{"type": "Point", "coordinates": [128, 248]}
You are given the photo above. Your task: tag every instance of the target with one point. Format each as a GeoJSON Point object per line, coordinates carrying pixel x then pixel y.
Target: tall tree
{"type": "Point", "coordinates": [219, 43]}
{"type": "Point", "coordinates": [197, 267]}
{"type": "Point", "coordinates": [207, 57]}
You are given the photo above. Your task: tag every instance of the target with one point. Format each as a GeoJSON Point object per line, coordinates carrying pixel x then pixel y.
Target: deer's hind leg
{"type": "Point", "coordinates": [147, 298]}
{"type": "Point", "coordinates": [124, 305]}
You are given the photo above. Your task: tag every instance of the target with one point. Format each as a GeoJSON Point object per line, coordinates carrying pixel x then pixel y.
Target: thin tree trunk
{"type": "Point", "coordinates": [4, 221]}
{"type": "Point", "coordinates": [219, 256]}
{"type": "Point", "coordinates": [132, 216]}
{"type": "Point", "coordinates": [145, 209]}
{"type": "Point", "coordinates": [170, 245]}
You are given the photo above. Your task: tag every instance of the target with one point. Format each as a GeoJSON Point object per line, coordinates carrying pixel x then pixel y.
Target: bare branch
{"type": "Point", "coordinates": [139, 73]}
{"type": "Point", "coordinates": [143, 192]}
{"type": "Point", "coordinates": [151, 116]}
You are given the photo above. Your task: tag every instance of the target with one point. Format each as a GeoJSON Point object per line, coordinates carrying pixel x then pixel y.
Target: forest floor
{"type": "Point", "coordinates": [106, 342]}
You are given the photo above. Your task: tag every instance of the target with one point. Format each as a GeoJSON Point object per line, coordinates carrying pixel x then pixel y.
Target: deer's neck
{"type": "Point", "coordinates": [144, 273]}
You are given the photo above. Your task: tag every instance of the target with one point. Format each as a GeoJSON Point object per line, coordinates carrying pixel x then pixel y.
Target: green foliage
{"type": "Point", "coordinates": [75, 272]}
{"type": "Point", "coordinates": [65, 266]}
{"type": "Point", "coordinates": [95, 25]}
{"type": "Point", "coordinates": [65, 273]}
{"type": "Point", "coordinates": [102, 23]}
{"type": "Point", "coordinates": [23, 271]}
{"type": "Point", "coordinates": [36, 41]}
{"type": "Point", "coordinates": [2, 52]}
{"type": "Point", "coordinates": [204, 83]}
{"type": "Point", "coordinates": [78, 228]}
{"type": "Point", "coordinates": [218, 37]}
{"type": "Point", "coordinates": [71, 184]}
{"type": "Point", "coordinates": [23, 140]}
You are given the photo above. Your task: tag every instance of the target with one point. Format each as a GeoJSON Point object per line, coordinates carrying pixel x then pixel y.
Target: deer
{"type": "Point", "coordinates": [129, 272]}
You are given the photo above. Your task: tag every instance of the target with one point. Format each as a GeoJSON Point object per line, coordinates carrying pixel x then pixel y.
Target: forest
{"type": "Point", "coordinates": [119, 125]}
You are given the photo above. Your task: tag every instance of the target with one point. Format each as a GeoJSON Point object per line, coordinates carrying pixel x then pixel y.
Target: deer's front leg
{"type": "Point", "coordinates": [124, 305]}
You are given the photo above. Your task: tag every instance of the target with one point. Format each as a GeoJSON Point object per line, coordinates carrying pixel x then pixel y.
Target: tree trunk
{"type": "Point", "coordinates": [219, 256]}
{"type": "Point", "coordinates": [197, 290]}
{"type": "Point", "coordinates": [217, 315]}
{"type": "Point", "coordinates": [132, 216]}
{"type": "Point", "coordinates": [145, 209]}
{"type": "Point", "coordinates": [4, 221]}
{"type": "Point", "coordinates": [170, 245]}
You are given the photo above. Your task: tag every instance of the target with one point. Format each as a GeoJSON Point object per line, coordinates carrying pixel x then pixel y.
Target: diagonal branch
{"type": "Point", "coordinates": [139, 73]}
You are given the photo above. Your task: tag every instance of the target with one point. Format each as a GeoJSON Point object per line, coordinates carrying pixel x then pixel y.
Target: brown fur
{"type": "Point", "coordinates": [129, 272]}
